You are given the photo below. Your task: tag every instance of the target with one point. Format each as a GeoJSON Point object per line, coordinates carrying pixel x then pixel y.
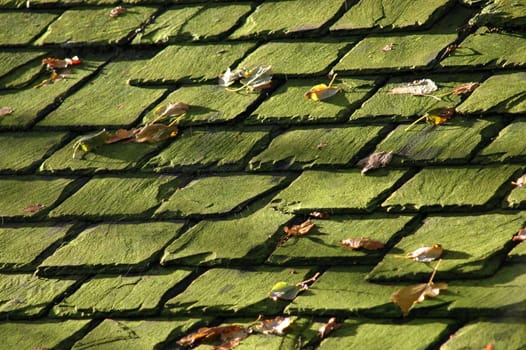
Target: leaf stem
{"type": "Point", "coordinates": [332, 80]}
{"type": "Point", "coordinates": [434, 272]}
{"type": "Point", "coordinates": [415, 122]}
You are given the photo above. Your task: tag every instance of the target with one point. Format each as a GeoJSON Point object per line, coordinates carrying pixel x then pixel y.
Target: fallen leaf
{"type": "Point", "coordinates": [436, 116]}
{"type": "Point", "coordinates": [172, 109]}
{"type": "Point", "coordinates": [361, 243]}
{"type": "Point", "coordinates": [465, 88]}
{"type": "Point", "coordinates": [319, 215]}
{"type": "Point", "coordinates": [272, 326]}
{"type": "Point", "coordinates": [5, 111]}
{"type": "Point", "coordinates": [57, 63]}
{"type": "Point", "coordinates": [375, 161]}
{"type": "Point", "coordinates": [229, 77]}
{"type": "Point", "coordinates": [230, 335]}
{"type": "Point", "coordinates": [300, 229]}
{"type": "Point", "coordinates": [321, 91]}
{"type": "Point", "coordinates": [33, 208]}
{"type": "Point", "coordinates": [117, 11]}
{"type": "Point", "coordinates": [253, 79]}
{"type": "Point", "coordinates": [520, 236]}
{"type": "Point", "coordinates": [54, 77]}
{"type": "Point", "coordinates": [119, 135]}
{"type": "Point", "coordinates": [154, 133]}
{"type": "Point", "coordinates": [328, 327]}
{"type": "Point", "coordinates": [285, 291]}
{"type": "Point", "coordinates": [322, 145]}
{"type": "Point", "coordinates": [388, 47]}
{"type": "Point", "coordinates": [521, 181]}
{"type": "Point", "coordinates": [425, 254]}
{"type": "Point", "coordinates": [90, 142]}
{"type": "Point", "coordinates": [420, 87]}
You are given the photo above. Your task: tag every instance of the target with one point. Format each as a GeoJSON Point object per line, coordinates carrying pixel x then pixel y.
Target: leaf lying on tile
{"type": "Point", "coordinates": [90, 142]}
{"type": "Point", "coordinates": [520, 236]}
{"type": "Point", "coordinates": [388, 47]}
{"type": "Point", "coordinates": [33, 208]}
{"type": "Point", "coordinates": [171, 110]}
{"type": "Point", "coordinates": [424, 254]}
{"type": "Point", "coordinates": [361, 243]}
{"type": "Point", "coordinates": [300, 229]}
{"type": "Point", "coordinates": [285, 291]}
{"type": "Point", "coordinates": [5, 111]}
{"type": "Point", "coordinates": [420, 87]}
{"type": "Point", "coordinates": [408, 297]}
{"type": "Point", "coordinates": [230, 336]}
{"type": "Point", "coordinates": [319, 215]}
{"type": "Point", "coordinates": [57, 63]}
{"type": "Point", "coordinates": [152, 133]}
{"type": "Point", "coordinates": [436, 116]}
{"type": "Point", "coordinates": [375, 161]}
{"type": "Point", "coordinates": [328, 327]}
{"type": "Point", "coordinates": [462, 89]}
{"type": "Point", "coordinates": [322, 92]}
{"type": "Point", "coordinates": [252, 79]}
{"type": "Point", "coordinates": [276, 325]}
{"type": "Point", "coordinates": [117, 11]}
{"type": "Point", "coordinates": [521, 181]}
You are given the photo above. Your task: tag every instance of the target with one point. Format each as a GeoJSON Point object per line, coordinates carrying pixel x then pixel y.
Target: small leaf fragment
{"type": "Point", "coordinates": [321, 91]}
{"type": "Point", "coordinates": [388, 47]}
{"type": "Point", "coordinates": [300, 229]}
{"type": "Point", "coordinates": [33, 208]}
{"type": "Point", "coordinates": [362, 243]}
{"type": "Point", "coordinates": [5, 111]}
{"type": "Point", "coordinates": [375, 161]}
{"type": "Point", "coordinates": [328, 327]}
{"type": "Point", "coordinates": [436, 116]}
{"type": "Point", "coordinates": [117, 11]}
{"type": "Point", "coordinates": [275, 325]}
{"type": "Point", "coordinates": [172, 109]}
{"type": "Point", "coordinates": [521, 181]}
{"type": "Point", "coordinates": [90, 142]}
{"type": "Point", "coordinates": [426, 254]}
{"type": "Point", "coordinates": [252, 79]}
{"type": "Point", "coordinates": [465, 88]}
{"type": "Point", "coordinates": [319, 215]}
{"type": "Point", "coordinates": [284, 291]}
{"type": "Point", "coordinates": [520, 236]}
{"type": "Point", "coordinates": [154, 133]}
{"type": "Point", "coordinates": [119, 135]}
{"type": "Point", "coordinates": [230, 335]}
{"type": "Point", "coordinates": [57, 63]}
{"type": "Point", "coordinates": [420, 87]}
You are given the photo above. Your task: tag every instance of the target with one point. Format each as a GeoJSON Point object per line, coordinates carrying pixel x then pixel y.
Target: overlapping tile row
{"type": "Point", "coordinates": [134, 245]}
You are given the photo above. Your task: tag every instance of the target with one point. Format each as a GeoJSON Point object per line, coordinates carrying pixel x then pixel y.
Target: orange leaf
{"type": "Point", "coordinates": [365, 243]}
{"type": "Point", "coordinates": [33, 208]}
{"type": "Point", "coordinates": [328, 327]}
{"type": "Point", "coordinates": [300, 229]}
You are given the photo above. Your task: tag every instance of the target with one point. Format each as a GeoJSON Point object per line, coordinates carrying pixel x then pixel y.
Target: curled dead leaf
{"type": "Point", "coordinates": [520, 236]}
{"type": "Point", "coordinates": [154, 133]}
{"type": "Point", "coordinates": [465, 88]}
{"type": "Point", "coordinates": [425, 254]}
{"type": "Point", "coordinates": [321, 91]}
{"type": "Point", "coordinates": [276, 325]}
{"type": "Point", "coordinates": [521, 181]}
{"type": "Point", "coordinates": [5, 111]}
{"type": "Point", "coordinates": [57, 63]}
{"type": "Point", "coordinates": [328, 327]}
{"type": "Point", "coordinates": [375, 161]}
{"type": "Point", "coordinates": [229, 335]}
{"type": "Point", "coordinates": [300, 229]}
{"type": "Point", "coordinates": [420, 87]}
{"type": "Point", "coordinates": [362, 243]}
{"type": "Point", "coordinates": [119, 135]}
{"type": "Point", "coordinates": [172, 109]}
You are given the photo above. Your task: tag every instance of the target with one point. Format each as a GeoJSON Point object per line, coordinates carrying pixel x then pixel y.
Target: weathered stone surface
{"type": "Point", "coordinates": [112, 248]}
{"type": "Point", "coordinates": [288, 105]}
{"type": "Point", "coordinates": [370, 14]}
{"type": "Point", "coordinates": [336, 191]}
{"type": "Point", "coordinates": [189, 63]}
{"type": "Point", "coordinates": [20, 192]}
{"type": "Point", "coordinates": [41, 334]}
{"type": "Point", "coordinates": [234, 292]}
{"type": "Point", "coordinates": [508, 145]}
{"type": "Point", "coordinates": [120, 295]}
{"type": "Point", "coordinates": [209, 149]}
{"type": "Point", "coordinates": [505, 333]}
{"type": "Point", "coordinates": [298, 58]}
{"type": "Point", "coordinates": [489, 50]}
{"type": "Point", "coordinates": [18, 67]}
{"type": "Point", "coordinates": [437, 188]}
{"type": "Point", "coordinates": [322, 244]}
{"type": "Point", "coordinates": [192, 23]}
{"type": "Point", "coordinates": [27, 295]}
{"type": "Point", "coordinates": [19, 28]}
{"type": "Point", "coordinates": [452, 143]}
{"type": "Point", "coordinates": [135, 335]}
{"type": "Point", "coordinates": [288, 17]}
{"type": "Point", "coordinates": [491, 97]}
{"type": "Point", "coordinates": [108, 101]}
{"type": "Point", "coordinates": [473, 247]}
{"type": "Point", "coordinates": [518, 254]}
{"type": "Point", "coordinates": [217, 195]}
{"type": "Point", "coordinates": [94, 26]}
{"type": "Point", "coordinates": [118, 197]}
{"type": "Point", "coordinates": [502, 13]}
{"type": "Point", "coordinates": [245, 239]}
{"type": "Point", "coordinates": [21, 245]}
{"type": "Point", "coordinates": [23, 151]}
{"type": "Point", "coordinates": [517, 198]}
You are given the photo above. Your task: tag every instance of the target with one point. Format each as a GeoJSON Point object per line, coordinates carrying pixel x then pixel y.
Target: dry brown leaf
{"type": "Point", "coordinates": [520, 236]}
{"type": "Point", "coordinates": [420, 87]}
{"type": "Point", "coordinates": [521, 181]}
{"type": "Point", "coordinates": [57, 63]}
{"type": "Point", "coordinates": [375, 161]}
{"type": "Point", "coordinates": [465, 88]}
{"type": "Point", "coordinates": [359, 243]}
{"type": "Point", "coordinates": [172, 109]}
{"type": "Point", "coordinates": [33, 208]}
{"type": "Point", "coordinates": [275, 325]}
{"type": "Point", "coordinates": [5, 111]}
{"type": "Point", "coordinates": [154, 133]}
{"type": "Point", "coordinates": [328, 327]}
{"type": "Point", "coordinates": [119, 135]}
{"type": "Point", "coordinates": [300, 229]}
{"type": "Point", "coordinates": [319, 215]}
{"type": "Point", "coordinates": [117, 11]}
{"type": "Point", "coordinates": [229, 335]}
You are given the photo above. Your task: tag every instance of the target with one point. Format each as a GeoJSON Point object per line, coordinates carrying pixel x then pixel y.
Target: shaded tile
{"type": "Point", "coordinates": [473, 247]}
{"type": "Point", "coordinates": [502, 13]}
{"type": "Point", "coordinates": [517, 198]}
{"type": "Point", "coordinates": [389, 15]}
{"type": "Point", "coordinates": [23, 151]}
{"type": "Point", "coordinates": [94, 26]}
{"type": "Point", "coordinates": [189, 63]}
{"type": "Point", "coordinates": [241, 240]}
{"type": "Point", "coordinates": [235, 292]}
{"type": "Point", "coordinates": [438, 188]}
{"type": "Point", "coordinates": [336, 191]}
{"type": "Point", "coordinates": [489, 50]}
{"type": "Point", "coordinates": [278, 18]}
{"type": "Point", "coordinates": [21, 245]}
{"type": "Point", "coordinates": [27, 295]}
{"type": "Point", "coordinates": [111, 248]}
{"type": "Point", "coordinates": [210, 148]}
{"type": "Point", "coordinates": [322, 244]}
{"type": "Point", "coordinates": [287, 105]}
{"type": "Point", "coordinates": [490, 97]}
{"type": "Point", "coordinates": [217, 195]}
{"type": "Point", "coordinates": [18, 66]}
{"type": "Point", "coordinates": [298, 58]}
{"type": "Point", "coordinates": [119, 295]}
{"type": "Point", "coordinates": [118, 197]}
{"type": "Point", "coordinates": [518, 254]}
{"type": "Point", "coordinates": [20, 28]}
{"type": "Point", "coordinates": [44, 334]}
{"type": "Point", "coordinates": [20, 192]}
{"type": "Point", "coordinates": [108, 100]}
{"type": "Point", "coordinates": [508, 145]}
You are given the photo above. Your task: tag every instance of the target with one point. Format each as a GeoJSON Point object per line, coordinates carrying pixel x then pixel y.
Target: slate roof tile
{"type": "Point", "coordinates": [32, 22]}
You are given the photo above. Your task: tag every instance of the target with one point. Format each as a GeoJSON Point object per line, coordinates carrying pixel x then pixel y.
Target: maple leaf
{"type": "Point", "coordinates": [520, 236]}
{"type": "Point", "coordinates": [359, 243]}
{"type": "Point", "coordinates": [275, 325]}
{"type": "Point", "coordinates": [33, 208]}
{"type": "Point", "coordinates": [375, 161]}
{"type": "Point", "coordinates": [5, 111]}
{"type": "Point", "coordinates": [300, 229]}
{"type": "Point", "coordinates": [328, 327]}
{"type": "Point", "coordinates": [420, 87]}
{"type": "Point", "coordinates": [322, 92]}
{"type": "Point", "coordinates": [436, 116]}
{"type": "Point", "coordinates": [521, 181]}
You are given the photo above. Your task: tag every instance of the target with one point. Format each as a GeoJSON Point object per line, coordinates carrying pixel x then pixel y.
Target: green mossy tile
{"type": "Point", "coordinates": [299, 58]}
{"type": "Point", "coordinates": [438, 188]}
{"type": "Point", "coordinates": [508, 145]}
{"type": "Point", "coordinates": [193, 23]}
{"type": "Point", "coordinates": [20, 28]}
{"type": "Point", "coordinates": [18, 67]}
{"type": "Point", "coordinates": [403, 107]}
{"type": "Point", "coordinates": [281, 18]}
{"type": "Point", "coordinates": [108, 100]}
{"type": "Point", "coordinates": [41, 334]}
{"type": "Point", "coordinates": [115, 296]}
{"type": "Point", "coordinates": [517, 198]}
{"type": "Point", "coordinates": [518, 254]}
{"type": "Point", "coordinates": [473, 246]}
{"type": "Point", "coordinates": [136, 334]}
{"type": "Point", "coordinates": [111, 248]}
{"type": "Point", "coordinates": [491, 97]}
{"type": "Point", "coordinates": [189, 63]}
{"type": "Point", "coordinates": [29, 296]}
{"type": "Point", "coordinates": [288, 105]}
{"type": "Point", "coordinates": [21, 245]}
{"type": "Point", "coordinates": [209, 104]}
{"type": "Point", "coordinates": [322, 244]}
{"type": "Point", "coordinates": [244, 239]}
{"type": "Point", "coordinates": [387, 15]}
{"type": "Point", "coordinates": [217, 195]}
{"type": "Point", "coordinates": [23, 151]}
{"type": "Point", "coordinates": [502, 13]}
{"type": "Point", "coordinates": [210, 148]}
{"type": "Point", "coordinates": [31, 104]}
{"type": "Point", "coordinates": [94, 26]}
{"type": "Point", "coordinates": [489, 50]}
{"type": "Point", "coordinates": [234, 292]}
{"type": "Point", "coordinates": [377, 335]}
{"type": "Point", "coordinates": [21, 192]}
{"type": "Point", "coordinates": [503, 333]}
{"type": "Point", "coordinates": [451, 143]}
{"type": "Point", "coordinates": [116, 156]}
{"type": "Point", "coordinates": [118, 197]}
{"type": "Point", "coordinates": [336, 191]}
